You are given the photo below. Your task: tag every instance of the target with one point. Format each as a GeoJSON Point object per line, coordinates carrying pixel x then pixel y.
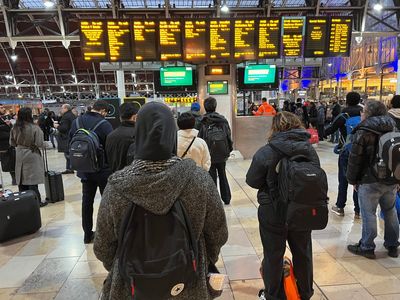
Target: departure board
{"type": "Point", "coordinates": [244, 39]}
{"type": "Point", "coordinates": [340, 36]}
{"type": "Point", "coordinates": [119, 40]}
{"type": "Point", "coordinates": [315, 43]}
{"type": "Point", "coordinates": [145, 40]}
{"type": "Point", "coordinates": [220, 39]}
{"type": "Point", "coordinates": [195, 47]}
{"type": "Point", "coordinates": [93, 42]}
{"type": "Point", "coordinates": [269, 38]}
{"type": "Point", "coordinates": [170, 40]}
{"type": "Point", "coordinates": [292, 36]}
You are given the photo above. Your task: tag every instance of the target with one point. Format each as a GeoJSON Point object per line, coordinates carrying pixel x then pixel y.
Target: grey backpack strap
{"type": "Point", "coordinates": [98, 124]}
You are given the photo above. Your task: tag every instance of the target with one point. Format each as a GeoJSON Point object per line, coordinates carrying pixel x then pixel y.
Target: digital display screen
{"type": "Point", "coordinates": [145, 40]}
{"type": "Point", "coordinates": [292, 36]}
{"type": "Point", "coordinates": [220, 39]}
{"type": "Point", "coordinates": [170, 40]}
{"type": "Point", "coordinates": [245, 39]}
{"type": "Point", "coordinates": [119, 40]}
{"type": "Point", "coordinates": [176, 76]}
{"type": "Point", "coordinates": [340, 36]}
{"type": "Point", "coordinates": [195, 40]}
{"type": "Point", "coordinates": [217, 87]}
{"type": "Point", "coordinates": [269, 38]}
{"type": "Point", "coordinates": [316, 37]}
{"type": "Point", "coordinates": [93, 42]}
{"type": "Point", "coordinates": [259, 74]}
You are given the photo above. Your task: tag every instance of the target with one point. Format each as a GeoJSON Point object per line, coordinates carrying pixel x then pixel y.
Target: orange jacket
{"type": "Point", "coordinates": [265, 109]}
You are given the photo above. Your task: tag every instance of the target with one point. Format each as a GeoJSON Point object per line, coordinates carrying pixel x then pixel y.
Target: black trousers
{"type": "Point", "coordinates": [89, 189]}
{"type": "Point", "coordinates": [34, 188]}
{"type": "Point", "coordinates": [321, 131]}
{"type": "Point", "coordinates": [223, 181]}
{"type": "Point", "coordinates": [273, 236]}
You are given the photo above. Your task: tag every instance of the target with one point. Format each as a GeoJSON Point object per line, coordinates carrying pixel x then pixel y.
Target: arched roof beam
{"type": "Point", "coordinates": [28, 55]}
{"type": "Point", "coordinates": [9, 63]}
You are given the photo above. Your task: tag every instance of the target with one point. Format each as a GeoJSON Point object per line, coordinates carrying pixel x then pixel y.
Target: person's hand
{"type": "Point", "coordinates": [56, 125]}
{"type": "Point", "coordinates": [355, 187]}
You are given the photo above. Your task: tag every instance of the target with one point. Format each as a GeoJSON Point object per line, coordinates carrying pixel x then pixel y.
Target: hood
{"type": "Point", "coordinates": [395, 112]}
{"type": "Point", "coordinates": [293, 142]}
{"type": "Point", "coordinates": [380, 124]}
{"type": "Point", "coordinates": [188, 133]}
{"type": "Point", "coordinates": [155, 133]}
{"type": "Point", "coordinates": [214, 117]}
{"type": "Point", "coordinates": [155, 192]}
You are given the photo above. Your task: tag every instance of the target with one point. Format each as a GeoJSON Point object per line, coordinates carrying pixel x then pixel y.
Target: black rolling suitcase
{"type": "Point", "coordinates": [53, 183]}
{"type": "Point", "coordinates": [19, 213]}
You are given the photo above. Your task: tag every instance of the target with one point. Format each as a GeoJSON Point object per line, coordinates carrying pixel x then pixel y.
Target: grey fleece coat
{"type": "Point", "coordinates": [157, 193]}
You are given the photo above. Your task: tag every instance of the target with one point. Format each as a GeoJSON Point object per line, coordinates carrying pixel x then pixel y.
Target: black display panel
{"type": "Point", "coordinates": [316, 41]}
{"type": "Point", "coordinates": [255, 87]}
{"type": "Point", "coordinates": [119, 40]}
{"type": "Point", "coordinates": [159, 88]}
{"type": "Point", "coordinates": [292, 36]}
{"type": "Point", "coordinates": [93, 40]}
{"type": "Point", "coordinates": [220, 39]}
{"type": "Point", "coordinates": [244, 42]}
{"type": "Point", "coordinates": [195, 40]}
{"type": "Point", "coordinates": [340, 36]}
{"type": "Point", "coordinates": [145, 40]}
{"type": "Point", "coordinates": [170, 37]}
{"type": "Point", "coordinates": [269, 38]}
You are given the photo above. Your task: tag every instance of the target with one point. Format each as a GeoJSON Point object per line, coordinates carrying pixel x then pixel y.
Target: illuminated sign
{"type": "Point", "coordinates": [119, 40]}
{"type": "Point", "coordinates": [244, 39]}
{"type": "Point", "coordinates": [340, 36]}
{"type": "Point", "coordinates": [180, 99]}
{"type": "Point", "coordinates": [269, 38]}
{"type": "Point", "coordinates": [292, 36]}
{"type": "Point", "coordinates": [316, 37]}
{"type": "Point", "coordinates": [220, 39]}
{"type": "Point", "coordinates": [93, 40]}
{"type": "Point", "coordinates": [195, 49]}
{"type": "Point", "coordinates": [145, 40]}
{"type": "Point", "coordinates": [170, 40]}
{"type": "Point", "coordinates": [217, 87]}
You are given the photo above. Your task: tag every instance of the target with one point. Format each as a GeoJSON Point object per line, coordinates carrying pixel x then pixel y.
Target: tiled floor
{"type": "Point", "coordinates": [55, 264]}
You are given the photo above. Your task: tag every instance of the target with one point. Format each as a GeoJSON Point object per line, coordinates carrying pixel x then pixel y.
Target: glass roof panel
{"type": "Point", "coordinates": [83, 3]}
{"type": "Point", "coordinates": [31, 4]}
{"type": "Point", "coordinates": [133, 3]}
{"type": "Point", "coordinates": [335, 2]}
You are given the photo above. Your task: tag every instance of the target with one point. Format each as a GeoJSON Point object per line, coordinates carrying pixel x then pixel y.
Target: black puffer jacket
{"type": "Point", "coordinates": [63, 131]}
{"type": "Point", "coordinates": [4, 135]}
{"type": "Point", "coordinates": [262, 172]}
{"type": "Point", "coordinates": [364, 149]}
{"type": "Point", "coordinates": [394, 113]}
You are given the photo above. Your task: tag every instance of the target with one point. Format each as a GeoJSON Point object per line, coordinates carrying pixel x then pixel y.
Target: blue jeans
{"type": "Point", "coordinates": [343, 184]}
{"type": "Point", "coordinates": [370, 195]}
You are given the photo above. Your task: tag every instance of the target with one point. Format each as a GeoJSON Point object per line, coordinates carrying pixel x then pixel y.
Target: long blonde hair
{"type": "Point", "coordinates": [284, 121]}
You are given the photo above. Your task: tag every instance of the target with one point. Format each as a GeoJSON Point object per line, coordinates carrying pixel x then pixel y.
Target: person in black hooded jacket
{"type": "Point", "coordinates": [219, 156]}
{"type": "Point", "coordinates": [290, 137]}
{"type": "Point", "coordinates": [394, 112]}
{"type": "Point", "coordinates": [372, 191]}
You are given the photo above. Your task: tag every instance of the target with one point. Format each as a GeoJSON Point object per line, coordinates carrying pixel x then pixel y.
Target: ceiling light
{"type": "Point", "coordinates": [225, 8]}
{"type": "Point", "coordinates": [73, 76]}
{"type": "Point", "coordinates": [330, 65]}
{"type": "Point", "coordinates": [14, 57]}
{"type": "Point", "coordinates": [359, 39]}
{"type": "Point", "coordinates": [378, 7]}
{"type": "Point", "coordinates": [48, 4]}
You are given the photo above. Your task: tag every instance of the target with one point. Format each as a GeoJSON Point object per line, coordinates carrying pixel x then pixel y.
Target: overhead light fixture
{"type": "Point", "coordinates": [14, 56]}
{"type": "Point", "coordinates": [73, 75]}
{"type": "Point", "coordinates": [378, 7]}
{"type": "Point", "coordinates": [48, 4]}
{"type": "Point", "coordinates": [359, 39]}
{"type": "Point", "coordinates": [224, 8]}
{"type": "Point", "coordinates": [330, 65]}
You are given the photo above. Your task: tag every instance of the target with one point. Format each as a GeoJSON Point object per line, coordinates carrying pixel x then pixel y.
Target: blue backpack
{"type": "Point", "coordinates": [351, 123]}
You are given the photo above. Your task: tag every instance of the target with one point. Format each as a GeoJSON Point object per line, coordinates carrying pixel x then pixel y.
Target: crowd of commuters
{"type": "Point", "coordinates": [152, 161]}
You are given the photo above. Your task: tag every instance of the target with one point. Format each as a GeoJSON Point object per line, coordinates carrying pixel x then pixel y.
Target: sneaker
{"type": "Point", "coordinates": [356, 249]}
{"type": "Point", "coordinates": [68, 172]}
{"type": "Point", "coordinates": [393, 251]}
{"type": "Point", "coordinates": [357, 216]}
{"type": "Point", "coordinates": [88, 239]}
{"type": "Point", "coordinates": [337, 210]}
{"type": "Point", "coordinates": [43, 204]}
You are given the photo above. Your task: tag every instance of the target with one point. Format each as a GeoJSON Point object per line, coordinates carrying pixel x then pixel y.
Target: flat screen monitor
{"type": "Point", "coordinates": [258, 77]}
{"type": "Point", "coordinates": [217, 87]}
{"type": "Point", "coordinates": [175, 79]}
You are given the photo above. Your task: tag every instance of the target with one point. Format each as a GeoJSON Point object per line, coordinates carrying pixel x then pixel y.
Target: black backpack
{"type": "Point", "coordinates": [157, 254]}
{"type": "Point", "coordinates": [217, 142]}
{"type": "Point", "coordinates": [85, 150]}
{"type": "Point", "coordinates": [303, 188]}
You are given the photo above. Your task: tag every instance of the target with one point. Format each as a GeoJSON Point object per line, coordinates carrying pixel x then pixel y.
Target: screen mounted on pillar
{"type": "Point", "coordinates": [175, 79]}
{"type": "Point", "coordinates": [258, 77]}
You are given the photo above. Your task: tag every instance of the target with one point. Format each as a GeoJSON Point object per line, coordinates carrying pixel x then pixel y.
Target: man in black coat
{"type": "Point", "coordinates": [7, 153]}
{"type": "Point", "coordinates": [353, 109]}
{"type": "Point", "coordinates": [210, 124]}
{"type": "Point", "coordinates": [119, 141]}
{"type": "Point", "coordinates": [361, 172]}
{"type": "Point", "coordinates": [394, 112]}
{"type": "Point", "coordinates": [336, 110]}
{"type": "Point", "coordinates": [63, 128]}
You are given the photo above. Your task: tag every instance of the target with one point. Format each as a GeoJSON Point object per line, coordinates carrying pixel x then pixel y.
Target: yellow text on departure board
{"type": "Point", "coordinates": [93, 35]}
{"type": "Point", "coordinates": [244, 34]}
{"type": "Point", "coordinates": [268, 38]}
{"type": "Point", "coordinates": [220, 38]}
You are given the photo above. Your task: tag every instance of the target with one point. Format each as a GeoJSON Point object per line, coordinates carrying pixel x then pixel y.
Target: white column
{"type": "Point", "coordinates": [121, 85]}
{"type": "Point", "coordinates": [398, 78]}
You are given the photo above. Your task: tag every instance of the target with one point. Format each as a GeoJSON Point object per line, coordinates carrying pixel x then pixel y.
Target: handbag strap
{"type": "Point", "coordinates": [187, 150]}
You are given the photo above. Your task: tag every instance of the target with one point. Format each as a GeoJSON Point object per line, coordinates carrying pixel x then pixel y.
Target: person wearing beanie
{"type": "Point", "coordinates": [394, 111]}
{"type": "Point", "coordinates": [195, 110]}
{"type": "Point", "coordinates": [352, 109]}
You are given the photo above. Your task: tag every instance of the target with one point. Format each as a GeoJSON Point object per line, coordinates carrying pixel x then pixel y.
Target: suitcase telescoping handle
{"type": "Point", "coordinates": [45, 162]}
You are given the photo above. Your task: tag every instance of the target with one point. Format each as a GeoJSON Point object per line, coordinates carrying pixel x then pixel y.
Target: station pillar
{"type": "Point", "coordinates": [398, 78]}
{"type": "Point", "coordinates": [121, 85]}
